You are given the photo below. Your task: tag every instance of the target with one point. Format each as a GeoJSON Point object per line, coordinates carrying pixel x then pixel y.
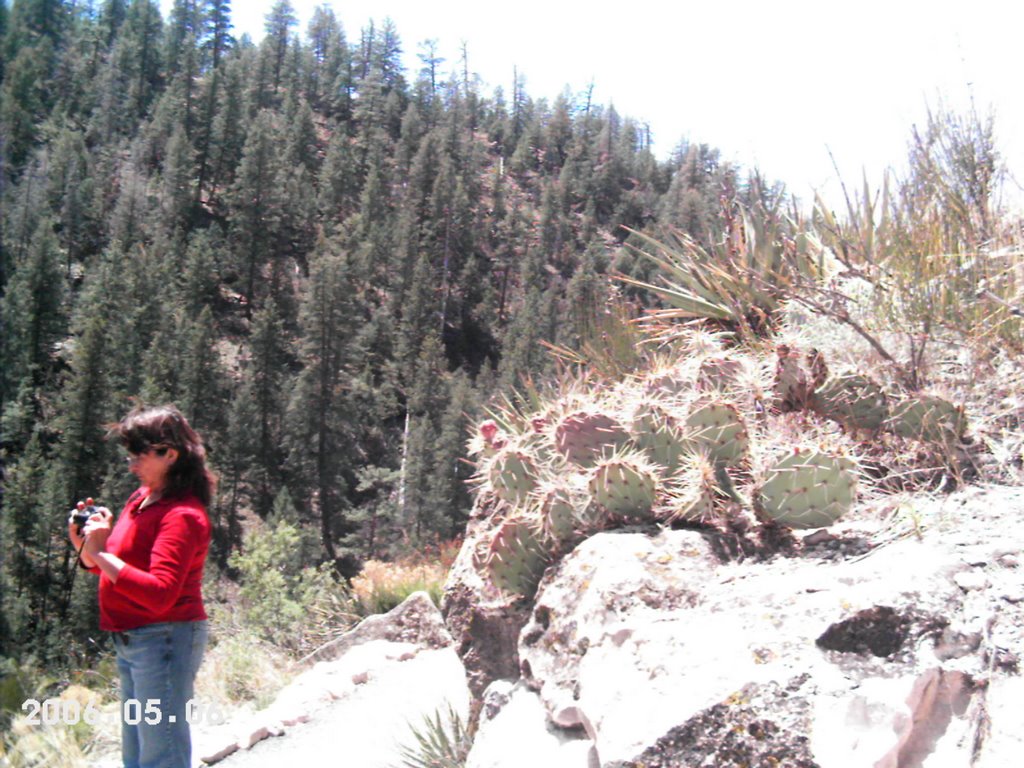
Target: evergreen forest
{"type": "Point", "coordinates": [327, 261]}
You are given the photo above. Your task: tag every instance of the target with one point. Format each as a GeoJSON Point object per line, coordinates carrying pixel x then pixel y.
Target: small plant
{"type": "Point", "coordinates": [381, 586]}
{"type": "Point", "coordinates": [279, 598]}
{"type": "Point", "coordinates": [443, 741]}
{"type": "Point", "coordinates": [240, 667]}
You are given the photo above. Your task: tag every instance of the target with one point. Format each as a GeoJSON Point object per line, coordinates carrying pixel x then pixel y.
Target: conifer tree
{"type": "Point", "coordinates": [279, 22]}
{"type": "Point", "coordinates": [72, 195]}
{"type": "Point", "coordinates": [255, 205]}
{"type": "Point", "coordinates": [448, 488]}
{"type": "Point", "coordinates": [218, 40]}
{"type": "Point", "coordinates": [321, 421]}
{"type": "Point", "coordinates": [266, 386]}
{"type": "Point", "coordinates": [338, 183]}
{"type": "Point", "coordinates": [184, 28]}
{"type": "Point", "coordinates": [177, 179]}
{"type": "Point", "coordinates": [139, 58]}
{"type": "Point", "coordinates": [201, 377]}
{"type": "Point", "coordinates": [33, 313]}
{"type": "Point", "coordinates": [23, 102]}
{"type": "Point", "coordinates": [330, 59]}
{"type": "Point", "coordinates": [111, 16]}
{"type": "Point", "coordinates": [224, 150]}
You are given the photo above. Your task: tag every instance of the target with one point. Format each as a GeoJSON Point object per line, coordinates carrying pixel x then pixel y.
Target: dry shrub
{"type": "Point", "coordinates": [381, 586]}
{"type": "Point", "coordinates": [239, 668]}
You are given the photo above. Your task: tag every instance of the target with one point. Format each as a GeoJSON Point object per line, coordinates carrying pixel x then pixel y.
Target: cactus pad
{"type": "Point", "coordinates": [515, 558]}
{"type": "Point", "coordinates": [625, 485]}
{"type": "Point", "coordinates": [807, 489]}
{"type": "Point", "coordinates": [718, 429]}
{"type": "Point", "coordinates": [512, 473]}
{"type": "Point", "coordinates": [928, 418]}
{"type": "Point", "coordinates": [853, 400]}
{"type": "Point", "coordinates": [656, 432]}
{"type": "Point", "coordinates": [583, 437]}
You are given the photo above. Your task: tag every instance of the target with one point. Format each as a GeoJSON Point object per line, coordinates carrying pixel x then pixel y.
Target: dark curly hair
{"type": "Point", "coordinates": [164, 427]}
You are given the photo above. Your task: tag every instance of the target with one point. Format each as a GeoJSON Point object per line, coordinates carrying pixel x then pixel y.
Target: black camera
{"type": "Point", "coordinates": [80, 515]}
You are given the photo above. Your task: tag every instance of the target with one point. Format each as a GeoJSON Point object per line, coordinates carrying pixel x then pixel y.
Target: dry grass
{"type": "Point", "coordinates": [381, 586]}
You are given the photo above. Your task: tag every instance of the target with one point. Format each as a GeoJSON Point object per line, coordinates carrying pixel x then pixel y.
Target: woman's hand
{"type": "Point", "coordinates": [97, 531]}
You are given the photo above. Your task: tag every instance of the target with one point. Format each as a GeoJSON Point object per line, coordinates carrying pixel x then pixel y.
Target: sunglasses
{"type": "Point", "coordinates": [137, 447]}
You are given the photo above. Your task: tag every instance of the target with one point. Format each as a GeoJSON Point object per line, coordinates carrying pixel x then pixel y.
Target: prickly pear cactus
{"type": "Point", "coordinates": [796, 377]}
{"type": "Point", "coordinates": [656, 431]}
{"type": "Point", "coordinates": [691, 495]}
{"type": "Point", "coordinates": [807, 489]}
{"type": "Point", "coordinates": [928, 418]}
{"type": "Point", "coordinates": [717, 428]}
{"type": "Point", "coordinates": [513, 474]}
{"type": "Point", "coordinates": [583, 437]}
{"type": "Point", "coordinates": [719, 373]}
{"type": "Point", "coordinates": [854, 400]}
{"type": "Point", "coordinates": [626, 485]}
{"type": "Point", "coordinates": [559, 506]}
{"type": "Point", "coordinates": [515, 558]}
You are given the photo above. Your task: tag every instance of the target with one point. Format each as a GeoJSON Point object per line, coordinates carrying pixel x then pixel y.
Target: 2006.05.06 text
{"type": "Point", "coordinates": [132, 711]}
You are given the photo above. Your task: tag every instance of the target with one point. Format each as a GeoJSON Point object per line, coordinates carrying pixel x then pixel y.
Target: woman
{"type": "Point", "coordinates": [150, 566]}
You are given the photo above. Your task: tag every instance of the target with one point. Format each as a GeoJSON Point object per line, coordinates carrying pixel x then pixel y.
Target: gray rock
{"type": "Point", "coordinates": [519, 733]}
{"type": "Point", "coordinates": [377, 683]}
{"type": "Point", "coordinates": [882, 653]}
{"type": "Point", "coordinates": [416, 620]}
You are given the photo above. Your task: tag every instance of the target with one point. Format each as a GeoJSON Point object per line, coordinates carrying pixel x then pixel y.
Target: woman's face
{"type": "Point", "coordinates": [152, 465]}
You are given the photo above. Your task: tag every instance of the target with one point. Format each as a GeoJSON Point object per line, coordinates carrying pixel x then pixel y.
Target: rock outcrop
{"type": "Point", "coordinates": [883, 642]}
{"type": "Point", "coordinates": [862, 647]}
{"type": "Point", "coordinates": [359, 704]}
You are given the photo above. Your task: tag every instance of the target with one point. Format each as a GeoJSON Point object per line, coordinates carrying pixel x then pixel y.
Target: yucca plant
{"type": "Point", "coordinates": [927, 249]}
{"type": "Point", "coordinates": [443, 741]}
{"type": "Point", "coordinates": [742, 281]}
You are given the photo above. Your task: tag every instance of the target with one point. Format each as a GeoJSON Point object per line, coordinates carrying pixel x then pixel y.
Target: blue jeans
{"type": "Point", "coordinates": [158, 664]}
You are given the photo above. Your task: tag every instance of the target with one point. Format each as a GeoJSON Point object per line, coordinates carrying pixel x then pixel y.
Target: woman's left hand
{"type": "Point", "coordinates": [97, 531]}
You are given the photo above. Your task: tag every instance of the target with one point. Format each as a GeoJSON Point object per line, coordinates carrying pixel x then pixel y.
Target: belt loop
{"type": "Point", "coordinates": [122, 637]}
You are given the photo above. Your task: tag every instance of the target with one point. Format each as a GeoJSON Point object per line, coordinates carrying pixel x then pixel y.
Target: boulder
{"type": "Point", "coordinates": [379, 681]}
{"type": "Point", "coordinates": [511, 710]}
{"type": "Point", "coordinates": [862, 647]}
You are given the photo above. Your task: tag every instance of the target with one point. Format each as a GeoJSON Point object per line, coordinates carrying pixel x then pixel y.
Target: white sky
{"type": "Point", "coordinates": [771, 83]}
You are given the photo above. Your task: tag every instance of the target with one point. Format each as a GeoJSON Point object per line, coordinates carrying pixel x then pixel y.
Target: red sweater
{"type": "Point", "coordinates": [164, 548]}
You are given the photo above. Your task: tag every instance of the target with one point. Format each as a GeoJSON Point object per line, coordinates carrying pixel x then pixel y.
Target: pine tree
{"type": "Point", "coordinates": [72, 194]}
{"type": "Point", "coordinates": [266, 386]}
{"type": "Point", "coordinates": [33, 314]}
{"type": "Point", "coordinates": [218, 40]}
{"type": "Point", "coordinates": [201, 377]}
{"type": "Point", "coordinates": [279, 22]}
{"type": "Point", "coordinates": [321, 422]}
{"type": "Point", "coordinates": [177, 180]}
{"type": "Point", "coordinates": [139, 58]}
{"type": "Point", "coordinates": [338, 183]}
{"type": "Point", "coordinates": [227, 131]}
{"type": "Point", "coordinates": [184, 28]}
{"type": "Point", "coordinates": [23, 102]}
{"type": "Point", "coordinates": [255, 205]}
{"type": "Point", "coordinates": [448, 488]}
{"type": "Point", "coordinates": [330, 60]}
